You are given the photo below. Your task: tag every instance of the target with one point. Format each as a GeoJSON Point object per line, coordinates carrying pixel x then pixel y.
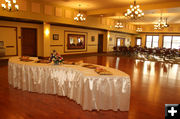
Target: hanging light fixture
{"type": "Point", "coordinates": [10, 5]}
{"type": "Point", "coordinates": [139, 29]}
{"type": "Point", "coordinates": [134, 12]}
{"type": "Point", "coordinates": [161, 24]}
{"type": "Point", "coordinates": [119, 25]}
{"type": "Point", "coordinates": [166, 24]}
{"type": "Point", "coordinates": [79, 17]}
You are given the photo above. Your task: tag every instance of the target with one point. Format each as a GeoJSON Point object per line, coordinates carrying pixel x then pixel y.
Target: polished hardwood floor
{"type": "Point", "coordinates": [153, 84]}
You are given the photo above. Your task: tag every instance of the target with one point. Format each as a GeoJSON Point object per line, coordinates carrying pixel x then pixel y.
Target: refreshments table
{"type": "Point", "coordinates": [83, 85]}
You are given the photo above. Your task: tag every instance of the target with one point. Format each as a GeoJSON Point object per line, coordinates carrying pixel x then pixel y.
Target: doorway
{"type": "Point", "coordinates": [100, 43]}
{"type": "Point", "coordinates": [138, 41]}
{"type": "Point", "coordinates": [29, 42]}
{"type": "Point", "coordinates": [120, 42]}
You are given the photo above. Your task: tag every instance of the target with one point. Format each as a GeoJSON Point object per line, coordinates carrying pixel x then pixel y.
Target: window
{"type": "Point", "coordinates": [176, 42]}
{"type": "Point", "coordinates": [167, 42]}
{"type": "Point", "coordinates": [148, 41]}
{"type": "Point", "coordinates": [171, 42]}
{"type": "Point", "coordinates": [152, 41]}
{"type": "Point", "coordinates": [155, 41]}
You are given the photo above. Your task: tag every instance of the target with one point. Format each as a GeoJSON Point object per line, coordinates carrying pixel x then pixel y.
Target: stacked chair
{"type": "Point", "coordinates": [147, 53]}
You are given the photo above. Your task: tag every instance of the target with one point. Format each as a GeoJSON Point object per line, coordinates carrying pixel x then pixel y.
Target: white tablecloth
{"type": "Point", "coordinates": [89, 89]}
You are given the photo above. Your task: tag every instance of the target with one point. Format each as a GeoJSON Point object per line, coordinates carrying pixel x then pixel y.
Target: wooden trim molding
{"type": "Point", "coordinates": [56, 45]}
{"type": "Point", "coordinates": [9, 46]}
{"type": "Point", "coordinates": [160, 32]}
{"type": "Point", "coordinates": [77, 26]}
{"type": "Point", "coordinates": [21, 20]}
{"type": "Point", "coordinates": [92, 45]}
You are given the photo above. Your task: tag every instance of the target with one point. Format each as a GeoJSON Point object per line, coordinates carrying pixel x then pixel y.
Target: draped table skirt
{"type": "Point", "coordinates": [83, 85]}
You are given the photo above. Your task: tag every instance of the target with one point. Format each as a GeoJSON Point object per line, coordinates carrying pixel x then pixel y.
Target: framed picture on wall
{"type": "Point", "coordinates": [92, 38]}
{"type": "Point", "coordinates": [55, 36]}
{"type": "Point", "coordinates": [110, 39]}
{"type": "Point", "coordinates": [76, 41]}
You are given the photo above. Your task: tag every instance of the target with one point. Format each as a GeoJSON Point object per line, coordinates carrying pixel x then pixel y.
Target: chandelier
{"type": "Point", "coordinates": [161, 24]}
{"type": "Point", "coordinates": [119, 25]}
{"type": "Point", "coordinates": [134, 12]}
{"type": "Point", "coordinates": [79, 17]}
{"type": "Point", "coordinates": [10, 5]}
{"type": "Point", "coordinates": [139, 29]}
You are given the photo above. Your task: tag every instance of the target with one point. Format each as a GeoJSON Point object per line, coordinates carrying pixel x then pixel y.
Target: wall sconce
{"type": "Point", "coordinates": [109, 36]}
{"type": "Point", "coordinates": [47, 32]}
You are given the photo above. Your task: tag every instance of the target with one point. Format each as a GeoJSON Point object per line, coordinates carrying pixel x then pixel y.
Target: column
{"type": "Point", "coordinates": [46, 39]}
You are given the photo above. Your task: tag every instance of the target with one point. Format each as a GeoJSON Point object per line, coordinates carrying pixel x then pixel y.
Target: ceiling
{"type": "Point", "coordinates": [115, 8]}
{"type": "Point", "coordinates": [152, 16]}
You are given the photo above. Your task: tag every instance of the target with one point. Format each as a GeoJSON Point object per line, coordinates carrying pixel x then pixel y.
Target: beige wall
{"type": "Point", "coordinates": [20, 25]}
{"type": "Point", "coordinates": [92, 46]}
{"type": "Point", "coordinates": [111, 44]}
{"type": "Point", "coordinates": [46, 43]}
{"type": "Point", "coordinates": [46, 12]}
{"type": "Point", "coordinates": [59, 45]}
{"type": "Point", "coordinates": [8, 36]}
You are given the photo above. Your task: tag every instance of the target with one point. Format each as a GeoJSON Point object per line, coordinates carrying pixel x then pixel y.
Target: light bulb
{"type": "Point", "coordinates": [17, 7]}
{"type": "Point", "coordinates": [131, 6]}
{"type": "Point", "coordinates": [3, 6]}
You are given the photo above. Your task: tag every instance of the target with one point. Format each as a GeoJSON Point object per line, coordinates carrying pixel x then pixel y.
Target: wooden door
{"type": "Point", "coordinates": [29, 42]}
{"type": "Point", "coordinates": [100, 43]}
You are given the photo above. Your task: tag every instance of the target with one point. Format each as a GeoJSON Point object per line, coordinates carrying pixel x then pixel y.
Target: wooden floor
{"type": "Point", "coordinates": [153, 84]}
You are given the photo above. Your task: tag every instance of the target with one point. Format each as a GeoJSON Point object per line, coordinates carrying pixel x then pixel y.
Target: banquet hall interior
{"type": "Point", "coordinates": [124, 56]}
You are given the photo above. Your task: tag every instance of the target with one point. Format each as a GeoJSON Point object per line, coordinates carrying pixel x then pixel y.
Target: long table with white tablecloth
{"type": "Point", "coordinates": [83, 85]}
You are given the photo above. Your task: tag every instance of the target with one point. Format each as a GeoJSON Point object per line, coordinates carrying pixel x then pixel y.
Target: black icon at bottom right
{"type": "Point", "coordinates": [172, 111]}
